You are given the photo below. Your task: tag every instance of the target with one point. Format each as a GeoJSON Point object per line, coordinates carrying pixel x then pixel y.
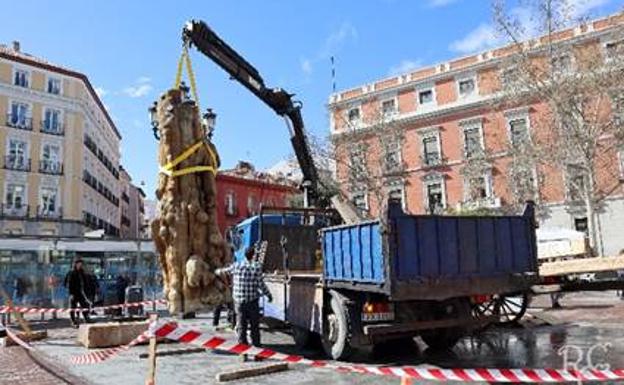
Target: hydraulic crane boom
{"type": "Point", "coordinates": [197, 33]}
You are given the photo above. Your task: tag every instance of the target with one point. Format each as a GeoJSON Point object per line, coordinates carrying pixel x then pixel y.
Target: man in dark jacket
{"type": "Point", "coordinates": [75, 281]}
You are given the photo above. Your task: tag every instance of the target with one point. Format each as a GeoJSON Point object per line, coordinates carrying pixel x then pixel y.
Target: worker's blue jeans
{"type": "Point", "coordinates": [248, 313]}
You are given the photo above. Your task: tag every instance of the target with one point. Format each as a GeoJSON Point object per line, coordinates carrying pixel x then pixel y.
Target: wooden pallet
{"type": "Point", "coordinates": [581, 265]}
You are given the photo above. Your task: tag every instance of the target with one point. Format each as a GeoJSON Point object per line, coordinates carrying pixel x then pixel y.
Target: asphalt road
{"type": "Point", "coordinates": [587, 320]}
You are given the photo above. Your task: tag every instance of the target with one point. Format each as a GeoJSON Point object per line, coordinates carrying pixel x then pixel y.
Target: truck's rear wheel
{"type": "Point", "coordinates": [336, 337]}
{"type": "Point", "coordinates": [442, 339]}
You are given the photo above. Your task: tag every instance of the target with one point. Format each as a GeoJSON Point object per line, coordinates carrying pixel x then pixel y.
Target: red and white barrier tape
{"type": "Point", "coordinates": [173, 331]}
{"type": "Point", "coordinates": [40, 310]}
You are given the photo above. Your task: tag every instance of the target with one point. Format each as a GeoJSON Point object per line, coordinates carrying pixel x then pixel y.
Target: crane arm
{"type": "Point", "coordinates": [198, 34]}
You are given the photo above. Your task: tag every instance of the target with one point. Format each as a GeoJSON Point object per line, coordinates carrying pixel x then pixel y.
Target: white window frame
{"type": "Point", "coordinates": [517, 114]}
{"type": "Point", "coordinates": [438, 180]}
{"type": "Point", "coordinates": [395, 101]}
{"type": "Point", "coordinates": [358, 123]}
{"type": "Point", "coordinates": [475, 91]}
{"type": "Point", "coordinates": [469, 124]}
{"type": "Point", "coordinates": [24, 197]}
{"type": "Point", "coordinates": [22, 140]}
{"type": "Point", "coordinates": [400, 188]}
{"type": "Point", "coordinates": [364, 195]}
{"type": "Point", "coordinates": [230, 203]}
{"type": "Point", "coordinates": [423, 88]}
{"type": "Point", "coordinates": [251, 204]}
{"type": "Point", "coordinates": [605, 51]}
{"type": "Point", "coordinates": [489, 188]}
{"type": "Point", "coordinates": [29, 109]}
{"type": "Point", "coordinates": [60, 80]}
{"type": "Point", "coordinates": [59, 159]}
{"type": "Point", "coordinates": [56, 200]}
{"type": "Point", "coordinates": [398, 147]}
{"type": "Point", "coordinates": [432, 132]}
{"type": "Point", "coordinates": [60, 118]}
{"type": "Point", "coordinates": [28, 76]}
{"type": "Point", "coordinates": [572, 63]}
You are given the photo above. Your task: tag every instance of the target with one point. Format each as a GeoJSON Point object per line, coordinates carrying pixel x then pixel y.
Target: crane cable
{"type": "Point", "coordinates": [168, 169]}
{"type": "Point", "coordinates": [185, 58]}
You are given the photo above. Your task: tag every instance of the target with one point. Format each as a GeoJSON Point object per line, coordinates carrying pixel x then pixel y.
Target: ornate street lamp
{"type": "Point", "coordinates": [153, 120]}
{"type": "Point", "coordinates": [209, 121]}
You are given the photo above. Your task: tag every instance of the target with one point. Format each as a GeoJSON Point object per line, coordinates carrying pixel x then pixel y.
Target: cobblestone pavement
{"type": "Point", "coordinates": [17, 367]}
{"type": "Point", "coordinates": [589, 319]}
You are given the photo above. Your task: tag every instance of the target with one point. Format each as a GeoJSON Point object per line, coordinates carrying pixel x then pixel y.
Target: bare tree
{"type": "Point", "coordinates": [368, 159]}
{"type": "Point", "coordinates": [581, 84]}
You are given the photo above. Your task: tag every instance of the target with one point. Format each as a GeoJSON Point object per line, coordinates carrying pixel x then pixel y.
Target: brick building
{"type": "Point", "coordinates": [241, 191]}
{"type": "Point", "coordinates": [446, 114]}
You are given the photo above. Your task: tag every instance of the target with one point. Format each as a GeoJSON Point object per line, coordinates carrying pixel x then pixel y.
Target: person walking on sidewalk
{"type": "Point", "coordinates": [248, 287]}
{"type": "Point", "coordinates": [75, 282]}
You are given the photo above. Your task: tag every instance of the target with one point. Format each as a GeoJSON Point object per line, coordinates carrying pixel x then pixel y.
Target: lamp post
{"type": "Point", "coordinates": [153, 120]}
{"type": "Point", "coordinates": [209, 121]}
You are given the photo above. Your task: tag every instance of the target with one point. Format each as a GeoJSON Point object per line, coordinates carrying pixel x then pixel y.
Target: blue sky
{"type": "Point", "coordinates": [129, 51]}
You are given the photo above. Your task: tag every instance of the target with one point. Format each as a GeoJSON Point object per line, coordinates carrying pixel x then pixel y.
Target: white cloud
{"type": "Point", "coordinates": [142, 86]}
{"type": "Point", "coordinates": [485, 35]}
{"type": "Point", "coordinates": [336, 39]}
{"type": "Point", "coordinates": [101, 92]}
{"type": "Point", "coordinates": [482, 37]}
{"type": "Point", "coordinates": [306, 66]}
{"type": "Point", "coordinates": [332, 44]}
{"type": "Point", "coordinates": [440, 3]}
{"type": "Point", "coordinates": [580, 8]}
{"type": "Point", "coordinates": [404, 66]}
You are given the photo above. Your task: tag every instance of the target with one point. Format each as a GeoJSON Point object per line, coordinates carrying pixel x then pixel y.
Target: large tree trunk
{"type": "Point", "coordinates": [185, 233]}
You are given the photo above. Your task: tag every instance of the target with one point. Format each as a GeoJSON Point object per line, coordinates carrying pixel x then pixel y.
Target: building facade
{"type": "Point", "coordinates": [242, 190]}
{"type": "Point", "coordinates": [59, 150]}
{"type": "Point", "coordinates": [446, 116]}
{"type": "Point", "coordinates": [132, 206]}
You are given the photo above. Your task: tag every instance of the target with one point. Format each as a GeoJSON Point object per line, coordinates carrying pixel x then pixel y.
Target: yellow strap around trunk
{"type": "Point", "coordinates": [168, 169]}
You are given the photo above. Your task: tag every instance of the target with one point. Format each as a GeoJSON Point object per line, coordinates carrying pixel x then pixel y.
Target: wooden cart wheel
{"type": "Point", "coordinates": [506, 309]}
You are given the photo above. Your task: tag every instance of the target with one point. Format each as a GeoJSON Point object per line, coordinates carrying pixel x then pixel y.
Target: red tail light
{"type": "Point", "coordinates": [480, 298]}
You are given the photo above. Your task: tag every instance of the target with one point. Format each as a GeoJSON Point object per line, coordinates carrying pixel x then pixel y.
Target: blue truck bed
{"type": "Point", "coordinates": [433, 257]}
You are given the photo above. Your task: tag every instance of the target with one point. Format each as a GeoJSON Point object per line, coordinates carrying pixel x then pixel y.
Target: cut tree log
{"type": "Point", "coordinates": [186, 234]}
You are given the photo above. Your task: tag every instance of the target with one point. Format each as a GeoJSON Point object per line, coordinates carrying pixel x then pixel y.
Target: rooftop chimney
{"type": "Point", "coordinates": [16, 46]}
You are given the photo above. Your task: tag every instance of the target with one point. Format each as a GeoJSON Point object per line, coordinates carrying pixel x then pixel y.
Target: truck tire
{"type": "Point", "coordinates": [337, 331]}
{"type": "Point", "coordinates": [441, 339]}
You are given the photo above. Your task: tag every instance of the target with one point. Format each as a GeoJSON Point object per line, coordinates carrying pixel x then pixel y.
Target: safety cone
{"type": "Point", "coordinates": [406, 380]}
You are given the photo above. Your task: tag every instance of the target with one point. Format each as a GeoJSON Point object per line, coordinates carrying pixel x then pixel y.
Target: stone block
{"type": "Point", "coordinates": [104, 335]}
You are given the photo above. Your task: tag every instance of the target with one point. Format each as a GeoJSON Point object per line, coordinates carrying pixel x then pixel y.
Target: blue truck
{"type": "Point", "coordinates": [437, 277]}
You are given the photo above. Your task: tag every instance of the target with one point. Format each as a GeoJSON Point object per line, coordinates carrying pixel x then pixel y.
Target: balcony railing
{"type": "Point", "coordinates": [433, 159]}
{"type": "Point", "coordinates": [50, 167]}
{"type": "Point", "coordinates": [45, 213]}
{"type": "Point", "coordinates": [487, 202]}
{"type": "Point", "coordinates": [52, 127]}
{"type": "Point", "coordinates": [13, 211]}
{"type": "Point", "coordinates": [22, 122]}
{"type": "Point", "coordinates": [17, 163]}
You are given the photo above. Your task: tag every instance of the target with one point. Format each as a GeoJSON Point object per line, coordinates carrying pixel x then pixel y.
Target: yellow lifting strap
{"type": "Point", "coordinates": [168, 169]}
{"type": "Point", "coordinates": [185, 58]}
